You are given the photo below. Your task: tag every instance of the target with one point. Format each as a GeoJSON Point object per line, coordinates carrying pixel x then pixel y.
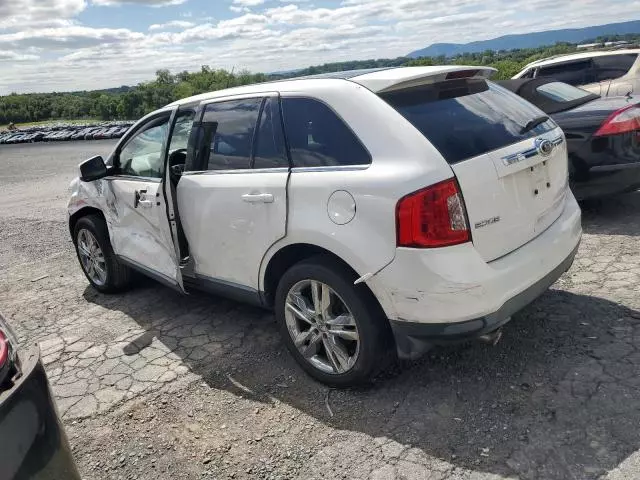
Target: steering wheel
{"type": "Point", "coordinates": [177, 160]}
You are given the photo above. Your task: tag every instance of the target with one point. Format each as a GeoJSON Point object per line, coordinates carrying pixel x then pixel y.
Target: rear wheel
{"type": "Point", "coordinates": [96, 256]}
{"type": "Point", "coordinates": [331, 327]}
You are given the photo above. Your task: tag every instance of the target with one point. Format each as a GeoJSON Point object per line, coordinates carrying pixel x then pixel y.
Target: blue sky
{"type": "Point", "coordinates": [63, 45]}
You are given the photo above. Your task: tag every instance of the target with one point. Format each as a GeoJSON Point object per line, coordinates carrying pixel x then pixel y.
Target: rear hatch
{"type": "Point", "coordinates": [510, 160]}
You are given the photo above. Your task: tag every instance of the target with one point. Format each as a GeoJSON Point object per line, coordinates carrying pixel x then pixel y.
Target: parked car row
{"type": "Point", "coordinates": [57, 133]}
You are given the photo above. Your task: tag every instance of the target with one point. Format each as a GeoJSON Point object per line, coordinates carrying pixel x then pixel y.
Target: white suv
{"type": "Point", "coordinates": [370, 209]}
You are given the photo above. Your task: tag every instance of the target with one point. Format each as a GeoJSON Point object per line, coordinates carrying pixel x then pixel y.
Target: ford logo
{"type": "Point", "coordinates": [544, 147]}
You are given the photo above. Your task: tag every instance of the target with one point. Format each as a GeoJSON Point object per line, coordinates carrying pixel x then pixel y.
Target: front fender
{"type": "Point", "coordinates": [96, 195]}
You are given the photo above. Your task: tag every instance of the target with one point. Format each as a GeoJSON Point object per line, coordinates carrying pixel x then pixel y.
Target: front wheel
{"type": "Point", "coordinates": [332, 328]}
{"type": "Point", "coordinates": [97, 259]}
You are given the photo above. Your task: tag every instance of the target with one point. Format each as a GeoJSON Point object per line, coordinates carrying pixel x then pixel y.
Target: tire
{"type": "Point", "coordinates": [371, 326]}
{"type": "Point", "coordinates": [117, 277]}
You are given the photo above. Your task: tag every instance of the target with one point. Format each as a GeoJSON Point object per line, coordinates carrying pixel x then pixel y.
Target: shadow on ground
{"type": "Point", "coordinates": [557, 398]}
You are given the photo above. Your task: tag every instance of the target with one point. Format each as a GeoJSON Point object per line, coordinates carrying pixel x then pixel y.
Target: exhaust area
{"type": "Point", "coordinates": [491, 338]}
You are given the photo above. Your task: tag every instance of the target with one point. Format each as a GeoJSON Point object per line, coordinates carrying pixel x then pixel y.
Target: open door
{"type": "Point", "coordinates": [139, 225]}
{"type": "Point", "coordinates": [176, 157]}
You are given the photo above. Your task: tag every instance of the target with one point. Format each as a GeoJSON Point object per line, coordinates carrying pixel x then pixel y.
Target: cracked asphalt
{"type": "Point", "coordinates": [154, 385]}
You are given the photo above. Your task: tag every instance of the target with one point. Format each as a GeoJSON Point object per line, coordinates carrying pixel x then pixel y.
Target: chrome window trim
{"type": "Point", "coordinates": [237, 171]}
{"type": "Point", "coordinates": [330, 168]}
{"type": "Point", "coordinates": [238, 96]}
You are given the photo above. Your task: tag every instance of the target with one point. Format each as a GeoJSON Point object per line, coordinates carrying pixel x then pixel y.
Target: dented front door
{"type": "Point", "coordinates": [138, 225]}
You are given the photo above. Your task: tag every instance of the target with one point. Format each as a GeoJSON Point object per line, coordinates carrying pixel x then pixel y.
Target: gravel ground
{"type": "Point", "coordinates": [154, 385]}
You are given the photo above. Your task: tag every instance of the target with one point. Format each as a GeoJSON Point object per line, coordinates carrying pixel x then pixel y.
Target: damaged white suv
{"type": "Point", "coordinates": [372, 210]}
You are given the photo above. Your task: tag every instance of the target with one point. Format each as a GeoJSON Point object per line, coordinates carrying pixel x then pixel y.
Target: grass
{"type": "Point", "coordinates": [45, 123]}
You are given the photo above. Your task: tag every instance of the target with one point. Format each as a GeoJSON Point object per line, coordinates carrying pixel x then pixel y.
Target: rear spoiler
{"type": "Point", "coordinates": [393, 79]}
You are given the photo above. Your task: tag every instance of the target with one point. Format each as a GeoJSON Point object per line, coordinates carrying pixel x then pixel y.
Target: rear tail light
{"type": "Point", "coordinates": [625, 120]}
{"type": "Point", "coordinates": [432, 217]}
{"type": "Point", "coordinates": [4, 350]}
{"type": "Point", "coordinates": [8, 360]}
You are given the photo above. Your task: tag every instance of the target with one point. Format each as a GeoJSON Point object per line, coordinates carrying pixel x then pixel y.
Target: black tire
{"type": "Point", "coordinates": [373, 328]}
{"type": "Point", "coordinates": [118, 276]}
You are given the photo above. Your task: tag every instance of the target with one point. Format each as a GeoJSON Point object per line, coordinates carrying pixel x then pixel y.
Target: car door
{"type": "Point", "coordinates": [139, 228]}
{"type": "Point", "coordinates": [232, 198]}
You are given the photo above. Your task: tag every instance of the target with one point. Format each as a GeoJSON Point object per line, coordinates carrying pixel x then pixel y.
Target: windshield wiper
{"type": "Point", "coordinates": [534, 123]}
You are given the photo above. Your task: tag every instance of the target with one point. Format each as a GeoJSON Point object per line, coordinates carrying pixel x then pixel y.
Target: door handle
{"type": "Point", "coordinates": [258, 198]}
{"type": "Point", "coordinates": [140, 200]}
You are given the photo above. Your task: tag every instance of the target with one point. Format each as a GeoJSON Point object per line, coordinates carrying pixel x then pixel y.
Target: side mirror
{"type": "Point", "coordinates": [93, 169]}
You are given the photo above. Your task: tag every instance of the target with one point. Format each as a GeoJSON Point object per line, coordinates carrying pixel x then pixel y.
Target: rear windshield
{"type": "Point", "coordinates": [562, 92]}
{"type": "Point", "coordinates": [466, 118]}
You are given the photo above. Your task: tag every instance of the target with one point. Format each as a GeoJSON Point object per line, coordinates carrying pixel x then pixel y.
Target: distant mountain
{"type": "Point", "coordinates": [529, 40]}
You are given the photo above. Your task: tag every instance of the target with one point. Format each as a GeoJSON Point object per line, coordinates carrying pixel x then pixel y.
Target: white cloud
{"type": "Point", "coordinates": [248, 3]}
{"type": "Point", "coordinates": [49, 49]}
{"type": "Point", "coordinates": [20, 13]}
{"type": "Point", "coordinates": [69, 38]}
{"type": "Point", "coordinates": [151, 3]}
{"type": "Point", "coordinates": [244, 6]}
{"type": "Point", "coordinates": [172, 24]}
{"type": "Point", "coordinates": [15, 56]}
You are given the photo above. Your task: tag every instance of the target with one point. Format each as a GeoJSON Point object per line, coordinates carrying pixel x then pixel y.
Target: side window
{"type": "Point", "coordinates": [269, 149]}
{"type": "Point", "coordinates": [229, 135]}
{"type": "Point", "coordinates": [318, 137]}
{"type": "Point", "coordinates": [575, 73]}
{"type": "Point", "coordinates": [181, 131]}
{"type": "Point", "coordinates": [180, 138]}
{"type": "Point", "coordinates": [142, 155]}
{"type": "Point", "coordinates": [610, 67]}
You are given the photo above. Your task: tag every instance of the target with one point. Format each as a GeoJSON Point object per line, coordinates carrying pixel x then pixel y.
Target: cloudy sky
{"type": "Point", "coordinates": [63, 45]}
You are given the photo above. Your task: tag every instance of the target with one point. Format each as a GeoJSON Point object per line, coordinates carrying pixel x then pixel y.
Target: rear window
{"type": "Point", "coordinates": [610, 67]}
{"type": "Point", "coordinates": [318, 137]}
{"type": "Point", "coordinates": [466, 118]}
{"type": "Point", "coordinates": [562, 92]}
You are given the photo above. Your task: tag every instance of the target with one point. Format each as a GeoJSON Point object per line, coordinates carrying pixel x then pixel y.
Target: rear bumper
{"type": "Point", "coordinates": [452, 292]}
{"type": "Point", "coordinates": [413, 339]}
{"type": "Point", "coordinates": [33, 444]}
{"type": "Point", "coordinates": [605, 165]}
{"type": "Point", "coordinates": [608, 180]}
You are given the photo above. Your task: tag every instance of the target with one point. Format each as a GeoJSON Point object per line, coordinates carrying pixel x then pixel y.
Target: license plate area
{"type": "Point", "coordinates": [539, 181]}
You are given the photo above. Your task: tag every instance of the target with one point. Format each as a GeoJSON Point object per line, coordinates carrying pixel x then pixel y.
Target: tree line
{"type": "Point", "coordinates": [128, 103]}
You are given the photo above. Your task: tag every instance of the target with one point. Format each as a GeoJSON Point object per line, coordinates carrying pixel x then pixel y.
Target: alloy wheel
{"type": "Point", "coordinates": [92, 257]}
{"type": "Point", "coordinates": [322, 327]}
